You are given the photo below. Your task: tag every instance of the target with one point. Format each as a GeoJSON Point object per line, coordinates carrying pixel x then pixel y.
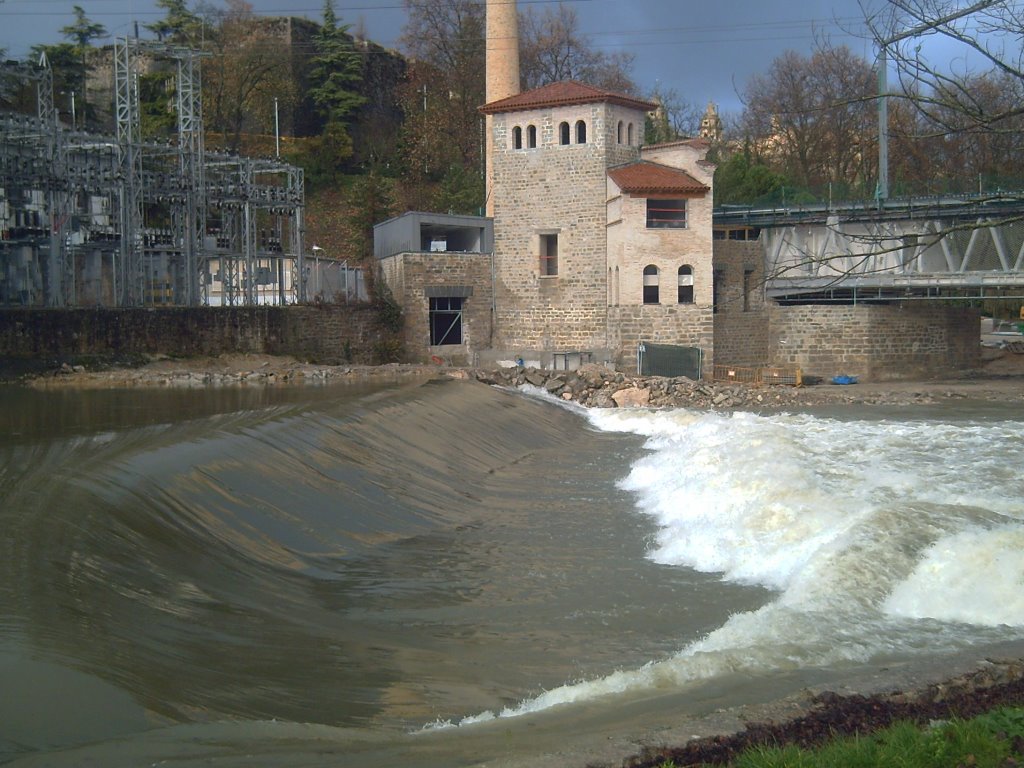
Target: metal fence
{"type": "Point", "coordinates": [758, 376]}
{"type": "Point", "coordinates": [668, 360]}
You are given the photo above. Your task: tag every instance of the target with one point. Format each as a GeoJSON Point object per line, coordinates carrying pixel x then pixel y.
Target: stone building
{"type": "Point", "coordinates": [599, 241]}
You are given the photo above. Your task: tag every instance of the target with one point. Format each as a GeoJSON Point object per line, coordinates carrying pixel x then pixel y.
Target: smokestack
{"type": "Point", "coordinates": [502, 75]}
{"type": "Point", "coordinates": [502, 49]}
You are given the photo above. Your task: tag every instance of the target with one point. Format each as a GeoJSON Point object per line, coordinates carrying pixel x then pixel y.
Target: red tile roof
{"type": "Point", "coordinates": [564, 93]}
{"type": "Point", "coordinates": [646, 178]}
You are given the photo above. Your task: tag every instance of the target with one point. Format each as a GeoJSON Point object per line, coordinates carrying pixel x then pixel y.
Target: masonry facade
{"type": "Point", "coordinates": [588, 222]}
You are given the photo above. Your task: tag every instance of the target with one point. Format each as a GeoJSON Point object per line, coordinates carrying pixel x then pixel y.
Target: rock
{"type": "Point", "coordinates": [632, 397]}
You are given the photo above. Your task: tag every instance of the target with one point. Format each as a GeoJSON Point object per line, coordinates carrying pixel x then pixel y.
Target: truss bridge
{"type": "Point", "coordinates": [949, 247]}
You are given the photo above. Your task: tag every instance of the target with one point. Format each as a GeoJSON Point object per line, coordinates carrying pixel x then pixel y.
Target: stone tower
{"type": "Point", "coordinates": [711, 125]}
{"type": "Point", "coordinates": [502, 77]}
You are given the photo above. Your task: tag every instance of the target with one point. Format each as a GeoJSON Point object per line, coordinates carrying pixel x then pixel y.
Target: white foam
{"type": "Point", "coordinates": [878, 537]}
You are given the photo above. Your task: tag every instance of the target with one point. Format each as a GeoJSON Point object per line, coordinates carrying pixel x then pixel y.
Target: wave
{"type": "Point", "coordinates": [879, 538]}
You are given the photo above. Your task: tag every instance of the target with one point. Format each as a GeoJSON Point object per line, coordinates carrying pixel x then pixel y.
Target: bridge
{"type": "Point", "coordinates": [928, 248]}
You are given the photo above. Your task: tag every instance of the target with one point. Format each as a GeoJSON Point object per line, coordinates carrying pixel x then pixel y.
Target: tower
{"type": "Point", "coordinates": [502, 76]}
{"type": "Point", "coordinates": [711, 124]}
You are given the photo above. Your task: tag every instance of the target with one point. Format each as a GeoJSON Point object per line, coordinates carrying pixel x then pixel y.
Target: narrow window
{"type": "Point", "coordinates": [619, 134]}
{"type": "Point", "coordinates": [517, 138]}
{"type": "Point", "coordinates": [748, 286]}
{"type": "Point", "coordinates": [717, 280]}
{"type": "Point", "coordinates": [581, 132]}
{"type": "Point", "coordinates": [686, 284]}
{"type": "Point", "coordinates": [445, 320]}
{"type": "Point", "coordinates": [549, 255]}
{"type": "Point", "coordinates": [563, 133]}
{"type": "Point", "coordinates": [630, 131]}
{"type": "Point", "coordinates": [650, 284]}
{"type": "Point", "coordinates": [531, 137]}
{"type": "Point", "coordinates": [667, 213]}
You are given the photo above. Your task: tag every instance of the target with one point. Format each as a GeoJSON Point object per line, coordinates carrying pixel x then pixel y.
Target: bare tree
{"type": "Point", "coordinates": [553, 48]}
{"type": "Point", "coordinates": [813, 118]}
{"type": "Point", "coordinates": [248, 69]}
{"type": "Point", "coordinates": [967, 112]}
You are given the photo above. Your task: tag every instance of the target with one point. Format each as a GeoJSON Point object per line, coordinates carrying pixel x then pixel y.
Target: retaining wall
{"type": "Point", "coordinates": [322, 333]}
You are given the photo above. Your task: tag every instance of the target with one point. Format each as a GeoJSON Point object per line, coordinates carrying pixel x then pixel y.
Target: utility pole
{"type": "Point", "coordinates": [882, 190]}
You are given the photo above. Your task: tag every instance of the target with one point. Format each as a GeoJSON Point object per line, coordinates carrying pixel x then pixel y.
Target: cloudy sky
{"type": "Point", "coordinates": [705, 51]}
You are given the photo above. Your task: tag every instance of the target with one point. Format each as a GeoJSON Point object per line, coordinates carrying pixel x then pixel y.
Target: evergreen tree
{"type": "Point", "coordinates": [83, 31]}
{"type": "Point", "coordinates": [337, 70]}
{"type": "Point", "coordinates": [180, 25]}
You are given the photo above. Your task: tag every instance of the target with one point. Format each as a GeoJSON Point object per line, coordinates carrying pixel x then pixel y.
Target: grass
{"type": "Point", "coordinates": [992, 740]}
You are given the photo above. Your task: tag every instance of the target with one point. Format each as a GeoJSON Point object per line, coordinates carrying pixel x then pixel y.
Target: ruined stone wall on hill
{"type": "Point", "coordinates": [325, 333]}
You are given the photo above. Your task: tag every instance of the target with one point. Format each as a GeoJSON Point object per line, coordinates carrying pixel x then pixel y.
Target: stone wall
{"type": "Point", "coordinates": [325, 333]}
{"type": "Point", "coordinates": [877, 342]}
{"type": "Point", "coordinates": [686, 325]}
{"type": "Point", "coordinates": [411, 276]}
{"type": "Point", "coordinates": [741, 316]}
{"type": "Point", "coordinates": [552, 189]}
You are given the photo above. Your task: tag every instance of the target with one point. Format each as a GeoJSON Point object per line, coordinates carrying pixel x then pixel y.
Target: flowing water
{"type": "Point", "coordinates": [450, 574]}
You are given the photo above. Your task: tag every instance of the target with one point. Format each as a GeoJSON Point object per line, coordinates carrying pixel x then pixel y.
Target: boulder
{"type": "Point", "coordinates": [632, 397]}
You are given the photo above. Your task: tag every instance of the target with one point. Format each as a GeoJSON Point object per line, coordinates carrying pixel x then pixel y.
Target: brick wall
{"type": "Point", "coordinates": [327, 333]}
{"type": "Point", "coordinates": [876, 342]}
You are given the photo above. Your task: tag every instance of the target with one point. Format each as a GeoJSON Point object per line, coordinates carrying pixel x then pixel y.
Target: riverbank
{"type": "Point", "coordinates": [812, 707]}
{"type": "Point", "coordinates": [1001, 379]}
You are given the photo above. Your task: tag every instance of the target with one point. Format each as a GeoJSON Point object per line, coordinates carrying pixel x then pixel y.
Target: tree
{"type": "Point", "coordinates": [83, 31]}
{"type": "Point", "coordinates": [180, 25]}
{"type": "Point", "coordinates": [968, 120]}
{"type": "Point", "coordinates": [742, 178]}
{"type": "Point", "coordinates": [552, 48]}
{"type": "Point", "coordinates": [444, 40]}
{"type": "Point", "coordinates": [814, 118]}
{"type": "Point", "coordinates": [247, 70]}
{"type": "Point", "coordinates": [674, 119]}
{"type": "Point", "coordinates": [337, 70]}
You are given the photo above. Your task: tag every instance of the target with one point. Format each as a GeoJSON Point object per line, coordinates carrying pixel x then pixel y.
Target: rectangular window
{"type": "Point", "coordinates": [548, 255]}
{"type": "Point", "coordinates": [445, 320]}
{"type": "Point", "coordinates": [717, 279]}
{"type": "Point", "coordinates": [668, 213]}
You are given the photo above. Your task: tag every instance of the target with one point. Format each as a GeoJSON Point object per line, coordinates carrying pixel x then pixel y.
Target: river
{"type": "Point", "coordinates": [442, 573]}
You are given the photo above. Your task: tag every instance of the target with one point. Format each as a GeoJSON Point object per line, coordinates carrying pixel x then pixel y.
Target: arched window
{"type": "Point", "coordinates": [563, 133]}
{"type": "Point", "coordinates": [619, 135]}
{"type": "Point", "coordinates": [581, 132]}
{"type": "Point", "coordinates": [531, 137]}
{"type": "Point", "coordinates": [517, 138]}
{"type": "Point", "coordinates": [630, 135]}
{"type": "Point", "coordinates": [650, 284]}
{"type": "Point", "coordinates": [686, 284]}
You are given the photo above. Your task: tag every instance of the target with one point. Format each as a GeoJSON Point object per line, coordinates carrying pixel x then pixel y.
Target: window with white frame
{"type": "Point", "coordinates": [685, 282]}
{"type": "Point", "coordinates": [651, 288]}
{"type": "Point", "coordinates": [563, 133]}
{"type": "Point", "coordinates": [517, 138]}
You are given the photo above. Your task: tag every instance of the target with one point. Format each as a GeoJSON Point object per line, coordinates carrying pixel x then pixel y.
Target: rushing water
{"type": "Point", "coordinates": [445, 574]}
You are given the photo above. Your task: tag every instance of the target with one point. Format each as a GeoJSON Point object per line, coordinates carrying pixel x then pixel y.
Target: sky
{"type": "Point", "coordinates": [704, 51]}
